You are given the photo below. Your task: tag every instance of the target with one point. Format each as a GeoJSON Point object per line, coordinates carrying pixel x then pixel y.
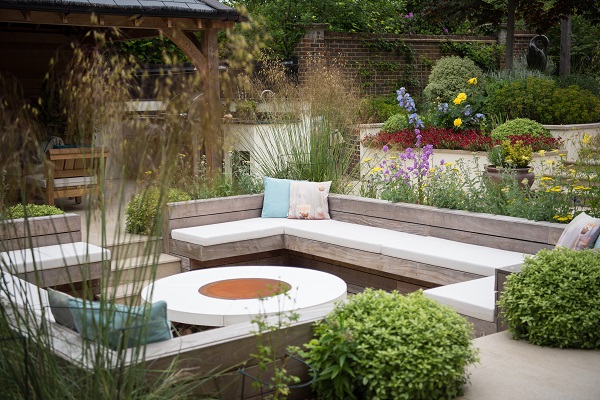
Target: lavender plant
{"type": "Point", "coordinates": [401, 177]}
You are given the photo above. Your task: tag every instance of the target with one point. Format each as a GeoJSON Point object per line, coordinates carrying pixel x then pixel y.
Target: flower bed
{"type": "Point", "coordinates": [450, 139]}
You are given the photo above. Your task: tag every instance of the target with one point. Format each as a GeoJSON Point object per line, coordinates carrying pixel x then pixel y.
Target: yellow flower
{"type": "Point", "coordinates": [505, 189]}
{"type": "Point", "coordinates": [558, 218]}
{"type": "Point", "coordinates": [562, 155]}
{"type": "Point", "coordinates": [367, 159]}
{"type": "Point", "coordinates": [393, 157]}
{"type": "Point", "coordinates": [448, 164]}
{"type": "Point", "coordinates": [587, 138]}
{"type": "Point", "coordinates": [377, 169]}
{"type": "Point", "coordinates": [148, 172]}
{"type": "Point", "coordinates": [542, 153]}
{"type": "Point", "coordinates": [546, 178]}
{"type": "Point", "coordinates": [473, 81]}
{"type": "Point", "coordinates": [572, 171]}
{"type": "Point", "coordinates": [555, 189]}
{"type": "Point", "coordinates": [460, 98]}
{"type": "Point", "coordinates": [457, 122]}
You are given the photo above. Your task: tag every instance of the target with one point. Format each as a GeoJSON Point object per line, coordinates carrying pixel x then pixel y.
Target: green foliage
{"type": "Point", "coordinates": [379, 108]}
{"type": "Point", "coordinates": [144, 212]}
{"type": "Point", "coordinates": [485, 56]}
{"type": "Point", "coordinates": [520, 126]}
{"type": "Point", "coordinates": [396, 122]}
{"type": "Point", "coordinates": [588, 81]}
{"type": "Point", "coordinates": [30, 210]}
{"type": "Point", "coordinates": [450, 76]}
{"type": "Point", "coordinates": [150, 51]}
{"type": "Point", "coordinates": [383, 345]}
{"type": "Point", "coordinates": [541, 100]}
{"type": "Point", "coordinates": [510, 155]}
{"type": "Point", "coordinates": [555, 300]}
{"type": "Point", "coordinates": [585, 47]}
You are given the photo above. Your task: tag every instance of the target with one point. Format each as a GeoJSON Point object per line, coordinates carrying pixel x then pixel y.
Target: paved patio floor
{"type": "Point", "coordinates": [514, 369]}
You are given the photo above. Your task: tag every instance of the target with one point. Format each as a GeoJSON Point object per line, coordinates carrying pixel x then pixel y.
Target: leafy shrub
{"type": "Point", "coordinates": [555, 300]}
{"type": "Point", "coordinates": [486, 56]}
{"type": "Point", "coordinates": [450, 76]}
{"type": "Point", "coordinates": [510, 155]}
{"type": "Point", "coordinates": [31, 210]}
{"type": "Point", "coordinates": [588, 81]}
{"type": "Point", "coordinates": [396, 123]}
{"type": "Point", "coordinates": [143, 212]}
{"type": "Point", "coordinates": [520, 126]}
{"type": "Point", "coordinates": [542, 100]}
{"type": "Point", "coordinates": [379, 108]}
{"type": "Point", "coordinates": [383, 345]}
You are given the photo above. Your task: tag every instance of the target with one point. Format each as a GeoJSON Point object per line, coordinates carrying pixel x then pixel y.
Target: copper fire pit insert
{"type": "Point", "coordinates": [244, 288]}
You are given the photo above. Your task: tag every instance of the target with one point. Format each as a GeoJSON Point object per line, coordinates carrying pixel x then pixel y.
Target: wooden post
{"type": "Point", "coordinates": [205, 57]}
{"type": "Point", "coordinates": [565, 46]}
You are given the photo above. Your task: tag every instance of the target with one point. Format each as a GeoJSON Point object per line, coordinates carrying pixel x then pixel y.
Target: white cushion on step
{"type": "Point", "coordinates": [475, 298]}
{"type": "Point", "coordinates": [459, 256]}
{"type": "Point", "coordinates": [56, 256]}
{"type": "Point", "coordinates": [23, 293]}
{"type": "Point", "coordinates": [233, 231]}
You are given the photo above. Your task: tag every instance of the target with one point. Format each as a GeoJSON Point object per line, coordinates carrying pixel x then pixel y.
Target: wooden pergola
{"type": "Point", "coordinates": [30, 32]}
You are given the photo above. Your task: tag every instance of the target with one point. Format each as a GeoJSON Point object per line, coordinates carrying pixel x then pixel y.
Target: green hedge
{"type": "Point", "coordinates": [555, 300]}
{"type": "Point", "coordinates": [449, 76]}
{"type": "Point", "coordinates": [143, 213]}
{"type": "Point", "coordinates": [382, 345]}
{"type": "Point", "coordinates": [31, 210]}
{"type": "Point", "coordinates": [542, 100]}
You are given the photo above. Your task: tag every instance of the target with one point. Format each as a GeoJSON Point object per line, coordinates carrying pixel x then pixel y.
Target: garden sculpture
{"type": "Point", "coordinates": [536, 56]}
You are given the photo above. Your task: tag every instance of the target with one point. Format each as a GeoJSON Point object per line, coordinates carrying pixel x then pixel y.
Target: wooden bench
{"type": "Point", "coordinates": [70, 172]}
{"type": "Point", "coordinates": [432, 231]}
{"type": "Point", "coordinates": [48, 252]}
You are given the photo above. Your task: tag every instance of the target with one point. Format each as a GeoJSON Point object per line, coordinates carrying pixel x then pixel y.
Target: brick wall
{"type": "Point", "coordinates": [381, 63]}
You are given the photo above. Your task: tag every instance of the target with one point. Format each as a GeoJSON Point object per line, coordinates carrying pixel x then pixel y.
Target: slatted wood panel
{"type": "Point", "coordinates": [39, 231]}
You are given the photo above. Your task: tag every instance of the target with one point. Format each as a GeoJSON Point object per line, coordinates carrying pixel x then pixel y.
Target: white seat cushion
{"type": "Point", "coordinates": [40, 181]}
{"type": "Point", "coordinates": [48, 257]}
{"type": "Point", "coordinates": [360, 237]}
{"type": "Point", "coordinates": [460, 256]}
{"type": "Point", "coordinates": [25, 294]}
{"type": "Point", "coordinates": [226, 232]}
{"type": "Point", "coordinates": [474, 298]}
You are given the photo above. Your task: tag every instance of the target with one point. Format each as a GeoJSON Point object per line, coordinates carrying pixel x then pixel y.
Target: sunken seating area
{"type": "Point", "coordinates": [368, 243]}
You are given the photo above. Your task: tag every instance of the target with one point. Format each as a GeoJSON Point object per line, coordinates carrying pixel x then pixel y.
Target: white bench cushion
{"type": "Point", "coordinates": [360, 237]}
{"type": "Point", "coordinates": [23, 293]}
{"type": "Point", "coordinates": [474, 298]}
{"type": "Point", "coordinates": [234, 231]}
{"type": "Point", "coordinates": [48, 257]}
{"type": "Point", "coordinates": [460, 256]}
{"type": "Point", "coordinates": [40, 181]}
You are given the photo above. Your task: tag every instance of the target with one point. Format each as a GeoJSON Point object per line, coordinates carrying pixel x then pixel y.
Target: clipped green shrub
{"type": "Point", "coordinates": [382, 345]}
{"type": "Point", "coordinates": [378, 108]}
{"type": "Point", "coordinates": [555, 300]}
{"type": "Point", "coordinates": [143, 214]}
{"type": "Point", "coordinates": [520, 126]}
{"type": "Point", "coordinates": [31, 210]}
{"type": "Point", "coordinates": [396, 122]}
{"type": "Point", "coordinates": [450, 76]}
{"type": "Point", "coordinates": [542, 100]}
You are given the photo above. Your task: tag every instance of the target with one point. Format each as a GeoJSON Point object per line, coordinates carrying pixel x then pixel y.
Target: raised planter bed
{"type": "Point", "coordinates": [573, 135]}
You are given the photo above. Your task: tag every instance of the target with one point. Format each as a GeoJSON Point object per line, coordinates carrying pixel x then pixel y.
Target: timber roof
{"type": "Point", "coordinates": [203, 9]}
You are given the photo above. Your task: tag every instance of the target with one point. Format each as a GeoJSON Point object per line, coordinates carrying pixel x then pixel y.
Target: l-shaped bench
{"type": "Point", "coordinates": [368, 243]}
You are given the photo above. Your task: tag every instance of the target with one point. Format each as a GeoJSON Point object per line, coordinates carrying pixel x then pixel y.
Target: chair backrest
{"type": "Point", "coordinates": [77, 161]}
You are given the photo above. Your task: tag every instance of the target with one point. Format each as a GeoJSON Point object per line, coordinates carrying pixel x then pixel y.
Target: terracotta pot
{"type": "Point", "coordinates": [499, 174]}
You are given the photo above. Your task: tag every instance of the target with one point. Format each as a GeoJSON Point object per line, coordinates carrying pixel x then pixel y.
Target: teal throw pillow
{"type": "Point", "coordinates": [121, 326]}
{"type": "Point", "coordinates": [597, 245]}
{"type": "Point", "coordinates": [277, 198]}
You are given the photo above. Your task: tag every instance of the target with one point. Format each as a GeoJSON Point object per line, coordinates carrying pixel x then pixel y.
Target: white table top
{"type": "Point", "coordinates": [309, 288]}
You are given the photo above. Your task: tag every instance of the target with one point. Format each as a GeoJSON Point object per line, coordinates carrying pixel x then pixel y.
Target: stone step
{"type": "Point", "coordinates": [128, 293]}
{"type": "Point", "coordinates": [135, 269]}
{"type": "Point", "coordinates": [134, 246]}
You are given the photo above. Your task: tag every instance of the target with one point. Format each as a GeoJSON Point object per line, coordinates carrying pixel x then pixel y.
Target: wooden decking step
{"type": "Point", "coordinates": [134, 269]}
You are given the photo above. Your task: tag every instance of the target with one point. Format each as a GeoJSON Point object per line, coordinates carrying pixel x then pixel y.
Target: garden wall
{"type": "Point", "coordinates": [383, 62]}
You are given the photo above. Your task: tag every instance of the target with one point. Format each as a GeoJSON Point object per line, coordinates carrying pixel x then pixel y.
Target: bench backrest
{"type": "Point", "coordinates": [74, 162]}
{"type": "Point", "coordinates": [497, 231]}
{"type": "Point", "coordinates": [39, 231]}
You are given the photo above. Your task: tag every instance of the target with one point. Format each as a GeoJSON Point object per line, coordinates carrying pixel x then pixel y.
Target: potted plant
{"type": "Point", "coordinates": [510, 159]}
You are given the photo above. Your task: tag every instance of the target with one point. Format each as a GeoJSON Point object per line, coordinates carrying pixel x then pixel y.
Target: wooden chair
{"type": "Point", "coordinates": [70, 172]}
